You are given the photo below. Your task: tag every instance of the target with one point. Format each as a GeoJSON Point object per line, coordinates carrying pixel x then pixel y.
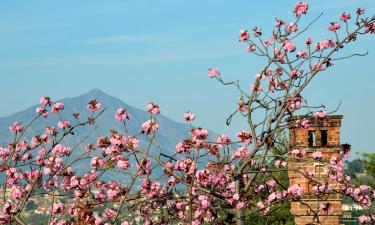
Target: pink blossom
{"type": "Point", "coordinates": [244, 137]}
{"type": "Point", "coordinates": [294, 74]}
{"type": "Point", "coordinates": [149, 127]}
{"type": "Point", "coordinates": [280, 164]}
{"type": "Point", "coordinates": [251, 48]}
{"type": "Point", "coordinates": [16, 193]}
{"type": "Point", "coordinates": [188, 116]}
{"type": "Point", "coordinates": [324, 44]}
{"type": "Point", "coordinates": [317, 66]}
{"type": "Point", "coordinates": [296, 191]}
{"type": "Point", "coordinates": [265, 209]}
{"type": "Point", "coordinates": [93, 106]}
{"type": "Point", "coordinates": [304, 123]}
{"type": "Point", "coordinates": [299, 153]}
{"type": "Point", "coordinates": [199, 134]}
{"type": "Point", "coordinates": [241, 106]}
{"type": "Point", "coordinates": [64, 124]}
{"type": "Point", "coordinates": [271, 183]}
{"type": "Point", "coordinates": [268, 43]}
{"type": "Point", "coordinates": [295, 103]}
{"type": "Point", "coordinates": [45, 100]}
{"type": "Point", "coordinates": [289, 46]}
{"type": "Point", "coordinates": [260, 205]}
{"type": "Point", "coordinates": [98, 220]}
{"type": "Point", "coordinates": [256, 87]}
{"type": "Point", "coordinates": [244, 35]}
{"type": "Point", "coordinates": [240, 153]}
{"type": "Point", "coordinates": [320, 114]}
{"type": "Point", "coordinates": [122, 114]}
{"type": "Point", "coordinates": [61, 150]}
{"type": "Point", "coordinates": [58, 106]}
{"type": "Point", "coordinates": [302, 54]}
{"type": "Point", "coordinates": [51, 131]}
{"type": "Point", "coordinates": [153, 108]}
{"type": "Point", "coordinates": [180, 147]}
{"type": "Point", "coordinates": [123, 164]}
{"type": "Point", "coordinates": [308, 41]}
{"type": "Point", "coordinates": [213, 72]}
{"type": "Point", "coordinates": [168, 168]}
{"type": "Point", "coordinates": [360, 11]}
{"type": "Point", "coordinates": [257, 31]}
{"type": "Point", "coordinates": [240, 205]}
{"type": "Point", "coordinates": [345, 17]}
{"type": "Point", "coordinates": [112, 194]}
{"type": "Point", "coordinates": [223, 139]}
{"type": "Point", "coordinates": [301, 8]}
{"type": "Point", "coordinates": [204, 201]}
{"type": "Point", "coordinates": [16, 127]}
{"type": "Point", "coordinates": [292, 27]}
{"type": "Point", "coordinates": [42, 111]}
{"type": "Point", "coordinates": [144, 167]}
{"type": "Point", "coordinates": [317, 155]}
{"type": "Point", "coordinates": [109, 213]}
{"type": "Point", "coordinates": [97, 162]}
{"type": "Point", "coordinates": [364, 219]}
{"type": "Point", "coordinates": [58, 208]}
{"type": "Point", "coordinates": [279, 23]}
{"type": "Point", "coordinates": [334, 26]}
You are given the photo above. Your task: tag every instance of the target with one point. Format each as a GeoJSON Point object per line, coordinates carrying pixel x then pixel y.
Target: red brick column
{"type": "Point", "coordinates": [299, 138]}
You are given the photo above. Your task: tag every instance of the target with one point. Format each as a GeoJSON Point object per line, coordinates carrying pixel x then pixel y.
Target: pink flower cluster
{"type": "Point", "coordinates": [16, 127]}
{"type": "Point", "coordinates": [153, 108]}
{"type": "Point", "coordinates": [240, 153]}
{"type": "Point", "coordinates": [244, 35]}
{"type": "Point", "coordinates": [320, 114]}
{"type": "Point", "coordinates": [334, 26]}
{"type": "Point", "coordinates": [188, 116]}
{"type": "Point", "coordinates": [298, 153]}
{"type": "Point", "coordinates": [149, 127]}
{"type": "Point", "coordinates": [304, 124]}
{"type": "Point", "coordinates": [213, 72]}
{"type": "Point", "coordinates": [58, 106]}
{"type": "Point", "coordinates": [317, 155]}
{"type": "Point", "coordinates": [63, 124]}
{"type": "Point", "coordinates": [301, 8]}
{"type": "Point", "coordinates": [93, 106]}
{"type": "Point", "coordinates": [122, 114]}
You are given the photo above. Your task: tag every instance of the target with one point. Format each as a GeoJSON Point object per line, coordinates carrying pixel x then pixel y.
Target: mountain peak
{"type": "Point", "coordinates": [96, 94]}
{"type": "Point", "coordinates": [95, 91]}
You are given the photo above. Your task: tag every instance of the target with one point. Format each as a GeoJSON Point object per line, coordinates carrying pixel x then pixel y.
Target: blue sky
{"type": "Point", "coordinates": [160, 51]}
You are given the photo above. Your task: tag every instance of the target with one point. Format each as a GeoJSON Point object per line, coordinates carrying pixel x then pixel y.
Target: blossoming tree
{"type": "Point", "coordinates": [209, 180]}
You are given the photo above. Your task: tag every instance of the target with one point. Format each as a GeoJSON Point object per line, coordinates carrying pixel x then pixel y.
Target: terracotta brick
{"type": "Point", "coordinates": [299, 138]}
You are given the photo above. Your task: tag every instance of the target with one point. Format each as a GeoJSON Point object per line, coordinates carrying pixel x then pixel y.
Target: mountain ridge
{"type": "Point", "coordinates": [168, 135]}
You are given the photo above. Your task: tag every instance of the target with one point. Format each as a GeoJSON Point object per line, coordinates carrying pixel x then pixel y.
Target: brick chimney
{"type": "Point", "coordinates": [323, 135]}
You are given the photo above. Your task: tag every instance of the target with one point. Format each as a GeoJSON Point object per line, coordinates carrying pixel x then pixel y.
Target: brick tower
{"type": "Point", "coordinates": [323, 135]}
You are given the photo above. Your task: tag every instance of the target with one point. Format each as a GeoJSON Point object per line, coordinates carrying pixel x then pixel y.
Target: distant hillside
{"type": "Point", "coordinates": [169, 133]}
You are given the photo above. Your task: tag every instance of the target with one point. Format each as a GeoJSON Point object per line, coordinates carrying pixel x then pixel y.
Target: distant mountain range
{"type": "Point", "coordinates": [168, 135]}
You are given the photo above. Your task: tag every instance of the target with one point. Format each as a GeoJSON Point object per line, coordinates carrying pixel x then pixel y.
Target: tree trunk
{"type": "Point", "coordinates": [239, 212]}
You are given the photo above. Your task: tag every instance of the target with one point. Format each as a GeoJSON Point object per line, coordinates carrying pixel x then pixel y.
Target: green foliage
{"type": "Point", "coordinates": [369, 163]}
{"type": "Point", "coordinates": [280, 215]}
{"type": "Point", "coordinates": [367, 175]}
